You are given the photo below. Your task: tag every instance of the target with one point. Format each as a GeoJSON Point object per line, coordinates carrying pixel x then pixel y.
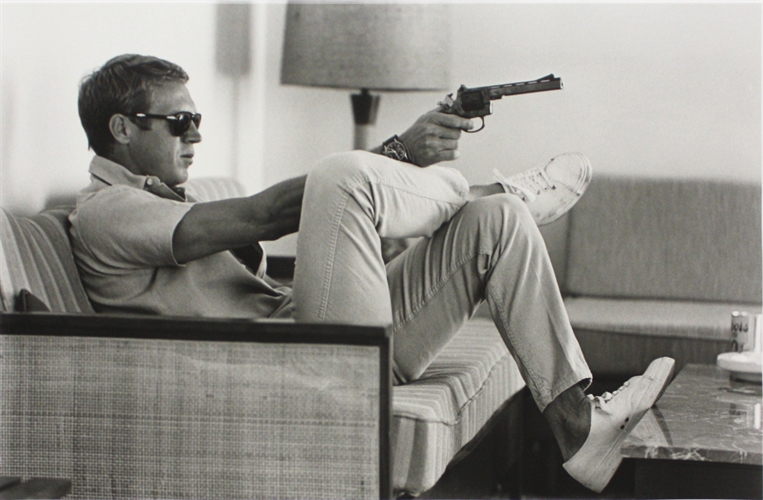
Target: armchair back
{"type": "Point", "coordinates": [35, 255]}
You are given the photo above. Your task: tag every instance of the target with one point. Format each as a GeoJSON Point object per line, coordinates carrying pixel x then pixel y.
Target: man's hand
{"type": "Point", "coordinates": [434, 137]}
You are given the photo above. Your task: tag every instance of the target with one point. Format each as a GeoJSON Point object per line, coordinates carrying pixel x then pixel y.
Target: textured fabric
{"type": "Point", "coordinates": [214, 188]}
{"type": "Point", "coordinates": [122, 240]}
{"type": "Point", "coordinates": [555, 235]}
{"type": "Point", "coordinates": [58, 425]}
{"type": "Point", "coordinates": [176, 419]}
{"type": "Point", "coordinates": [350, 200]}
{"type": "Point", "coordinates": [621, 337]}
{"type": "Point", "coordinates": [438, 414]}
{"type": "Point", "coordinates": [35, 255]}
{"type": "Point", "coordinates": [489, 248]}
{"type": "Point", "coordinates": [623, 355]}
{"type": "Point", "coordinates": [35, 252]}
{"type": "Point", "coordinates": [105, 173]}
{"type": "Point", "coordinates": [691, 320]}
{"type": "Point", "coordinates": [683, 239]}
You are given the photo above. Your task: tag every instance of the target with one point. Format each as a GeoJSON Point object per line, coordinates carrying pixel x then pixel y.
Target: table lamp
{"type": "Point", "coordinates": [365, 47]}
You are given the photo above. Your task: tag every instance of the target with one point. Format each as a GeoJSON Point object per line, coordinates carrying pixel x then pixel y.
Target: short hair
{"type": "Point", "coordinates": [123, 85]}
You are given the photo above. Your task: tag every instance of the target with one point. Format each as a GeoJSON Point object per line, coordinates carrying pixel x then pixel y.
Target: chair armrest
{"type": "Point", "coordinates": [143, 406]}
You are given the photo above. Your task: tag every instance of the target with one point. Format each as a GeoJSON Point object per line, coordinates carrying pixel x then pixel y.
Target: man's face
{"type": "Point", "coordinates": [156, 151]}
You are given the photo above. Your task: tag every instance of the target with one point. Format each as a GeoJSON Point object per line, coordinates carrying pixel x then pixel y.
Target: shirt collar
{"type": "Point", "coordinates": [113, 173]}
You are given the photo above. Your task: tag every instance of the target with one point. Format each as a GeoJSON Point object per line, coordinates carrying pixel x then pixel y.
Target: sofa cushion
{"type": "Point", "coordinates": [434, 417]}
{"type": "Point", "coordinates": [683, 239]}
{"type": "Point", "coordinates": [621, 337]}
{"type": "Point", "coordinates": [35, 254]}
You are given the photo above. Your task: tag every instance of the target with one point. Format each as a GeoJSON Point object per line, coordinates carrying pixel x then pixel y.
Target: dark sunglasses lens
{"type": "Point", "coordinates": [183, 122]}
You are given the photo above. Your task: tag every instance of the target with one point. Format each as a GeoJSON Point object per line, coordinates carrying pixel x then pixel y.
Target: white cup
{"type": "Point", "coordinates": [755, 335]}
{"type": "Point", "coordinates": [752, 342]}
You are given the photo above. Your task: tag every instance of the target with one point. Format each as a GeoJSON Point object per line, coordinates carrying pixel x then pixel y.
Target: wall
{"type": "Point", "coordinates": [48, 48]}
{"type": "Point", "coordinates": [650, 89]}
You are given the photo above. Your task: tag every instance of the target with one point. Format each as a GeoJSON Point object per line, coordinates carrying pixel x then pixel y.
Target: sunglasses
{"type": "Point", "coordinates": [179, 122]}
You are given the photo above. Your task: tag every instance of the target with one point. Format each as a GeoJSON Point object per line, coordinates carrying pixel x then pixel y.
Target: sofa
{"type": "Point", "coordinates": [654, 267]}
{"type": "Point", "coordinates": [187, 407]}
{"type": "Point", "coordinates": [173, 407]}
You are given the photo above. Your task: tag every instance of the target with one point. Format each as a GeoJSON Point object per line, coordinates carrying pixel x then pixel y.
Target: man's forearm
{"type": "Point", "coordinates": [212, 227]}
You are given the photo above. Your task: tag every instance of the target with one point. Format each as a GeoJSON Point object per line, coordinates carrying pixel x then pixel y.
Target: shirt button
{"type": "Point", "coordinates": [150, 182]}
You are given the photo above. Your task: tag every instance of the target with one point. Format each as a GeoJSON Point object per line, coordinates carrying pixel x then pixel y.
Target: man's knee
{"type": "Point", "coordinates": [496, 219]}
{"type": "Point", "coordinates": [341, 168]}
{"type": "Point", "coordinates": [501, 211]}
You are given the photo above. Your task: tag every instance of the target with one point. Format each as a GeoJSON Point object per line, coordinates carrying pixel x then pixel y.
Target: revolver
{"type": "Point", "coordinates": [476, 102]}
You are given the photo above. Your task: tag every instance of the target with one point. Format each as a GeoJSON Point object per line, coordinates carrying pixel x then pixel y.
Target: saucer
{"type": "Point", "coordinates": [742, 365]}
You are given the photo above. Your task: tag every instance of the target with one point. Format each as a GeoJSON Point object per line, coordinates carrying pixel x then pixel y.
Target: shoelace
{"type": "Point", "coordinates": [537, 181]}
{"type": "Point", "coordinates": [607, 396]}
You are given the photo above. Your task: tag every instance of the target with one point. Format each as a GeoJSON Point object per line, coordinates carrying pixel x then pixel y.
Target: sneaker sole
{"type": "Point", "coordinates": [603, 471]}
{"type": "Point", "coordinates": [578, 190]}
{"type": "Point", "coordinates": [585, 179]}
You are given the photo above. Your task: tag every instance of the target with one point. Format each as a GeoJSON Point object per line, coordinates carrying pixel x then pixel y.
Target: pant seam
{"type": "Point", "coordinates": [434, 290]}
{"type": "Point", "coordinates": [329, 265]}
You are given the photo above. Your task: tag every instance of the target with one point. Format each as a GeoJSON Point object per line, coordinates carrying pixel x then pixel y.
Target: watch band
{"type": "Point", "coordinates": [395, 148]}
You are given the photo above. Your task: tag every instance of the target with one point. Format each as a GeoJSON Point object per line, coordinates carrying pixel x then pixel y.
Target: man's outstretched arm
{"type": "Point", "coordinates": [213, 227]}
{"type": "Point", "coordinates": [216, 226]}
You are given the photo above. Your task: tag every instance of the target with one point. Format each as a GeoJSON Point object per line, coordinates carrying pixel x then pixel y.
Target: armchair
{"type": "Point", "coordinates": [137, 406]}
{"type": "Point", "coordinates": [147, 407]}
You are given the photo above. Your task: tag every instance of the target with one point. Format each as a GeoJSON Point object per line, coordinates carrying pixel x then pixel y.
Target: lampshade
{"type": "Point", "coordinates": [367, 46]}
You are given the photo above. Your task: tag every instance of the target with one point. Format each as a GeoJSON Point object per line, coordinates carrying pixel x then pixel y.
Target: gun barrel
{"type": "Point", "coordinates": [549, 82]}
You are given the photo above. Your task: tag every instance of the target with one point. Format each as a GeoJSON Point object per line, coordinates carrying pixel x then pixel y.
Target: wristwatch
{"type": "Point", "coordinates": [395, 148]}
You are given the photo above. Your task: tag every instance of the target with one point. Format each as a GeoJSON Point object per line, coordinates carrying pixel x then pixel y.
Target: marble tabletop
{"type": "Point", "coordinates": [704, 416]}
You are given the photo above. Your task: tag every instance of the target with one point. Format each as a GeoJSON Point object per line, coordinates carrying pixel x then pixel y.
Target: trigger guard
{"type": "Point", "coordinates": [475, 131]}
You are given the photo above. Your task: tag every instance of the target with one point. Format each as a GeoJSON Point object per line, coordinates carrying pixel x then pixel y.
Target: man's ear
{"type": "Point", "coordinates": [121, 128]}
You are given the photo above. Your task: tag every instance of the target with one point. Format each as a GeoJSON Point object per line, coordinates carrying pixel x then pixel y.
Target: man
{"type": "Point", "coordinates": [141, 246]}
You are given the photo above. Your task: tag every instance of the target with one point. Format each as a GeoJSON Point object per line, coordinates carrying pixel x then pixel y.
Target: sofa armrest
{"type": "Point", "coordinates": [133, 406]}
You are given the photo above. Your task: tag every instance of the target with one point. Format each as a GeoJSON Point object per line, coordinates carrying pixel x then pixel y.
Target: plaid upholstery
{"type": "Point", "coordinates": [35, 254]}
{"type": "Point", "coordinates": [179, 419]}
{"type": "Point", "coordinates": [434, 417]}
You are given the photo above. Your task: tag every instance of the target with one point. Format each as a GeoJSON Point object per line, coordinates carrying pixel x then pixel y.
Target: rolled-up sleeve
{"type": "Point", "coordinates": [123, 228]}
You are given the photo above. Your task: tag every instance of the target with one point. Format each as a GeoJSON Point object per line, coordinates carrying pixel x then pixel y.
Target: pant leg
{"type": "Point", "coordinates": [351, 199]}
{"type": "Point", "coordinates": [490, 250]}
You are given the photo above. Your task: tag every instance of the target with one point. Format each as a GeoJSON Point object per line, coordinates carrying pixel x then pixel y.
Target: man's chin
{"type": "Point", "coordinates": [181, 178]}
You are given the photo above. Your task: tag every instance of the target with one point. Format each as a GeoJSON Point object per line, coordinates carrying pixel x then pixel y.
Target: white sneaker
{"type": "Point", "coordinates": [552, 189]}
{"type": "Point", "coordinates": [613, 417]}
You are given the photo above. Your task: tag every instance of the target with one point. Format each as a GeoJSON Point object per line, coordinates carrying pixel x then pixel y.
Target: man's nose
{"type": "Point", "coordinates": [192, 135]}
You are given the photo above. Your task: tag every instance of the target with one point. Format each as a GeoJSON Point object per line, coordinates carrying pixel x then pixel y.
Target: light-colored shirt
{"type": "Point", "coordinates": [122, 229]}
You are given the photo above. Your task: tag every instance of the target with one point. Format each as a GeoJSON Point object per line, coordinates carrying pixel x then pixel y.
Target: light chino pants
{"type": "Point", "coordinates": [489, 250]}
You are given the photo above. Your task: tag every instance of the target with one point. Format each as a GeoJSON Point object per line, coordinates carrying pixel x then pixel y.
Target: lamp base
{"type": "Point", "coordinates": [364, 108]}
{"type": "Point", "coordinates": [362, 137]}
